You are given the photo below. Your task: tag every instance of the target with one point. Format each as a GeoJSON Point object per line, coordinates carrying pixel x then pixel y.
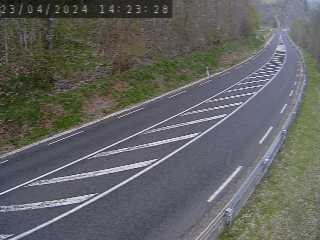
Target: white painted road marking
{"type": "Point", "coordinates": [4, 162]}
{"type": "Point", "coordinates": [204, 83]}
{"type": "Point", "coordinates": [46, 204]}
{"type": "Point", "coordinates": [295, 83]}
{"type": "Point", "coordinates": [66, 137]}
{"type": "Point", "coordinates": [212, 109]}
{"type": "Point", "coordinates": [147, 145]}
{"type": "Point", "coordinates": [283, 109]}
{"type": "Point", "coordinates": [108, 191]}
{"type": "Point", "coordinates": [245, 88]}
{"type": "Point", "coordinates": [185, 124]}
{"type": "Point", "coordinates": [5, 236]}
{"type": "Point", "coordinates": [93, 174]}
{"type": "Point", "coordinates": [177, 94]}
{"type": "Point", "coordinates": [127, 114]}
{"type": "Point", "coordinates": [231, 97]}
{"type": "Point", "coordinates": [250, 82]}
{"type": "Point", "coordinates": [265, 135]}
{"type": "Point", "coordinates": [291, 93]}
{"type": "Point", "coordinates": [223, 186]}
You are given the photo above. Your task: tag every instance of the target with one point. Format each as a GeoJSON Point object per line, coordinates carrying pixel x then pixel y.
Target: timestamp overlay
{"type": "Point", "coordinates": [86, 8]}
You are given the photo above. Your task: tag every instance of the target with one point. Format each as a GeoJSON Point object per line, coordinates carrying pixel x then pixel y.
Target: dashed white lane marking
{"type": "Point", "coordinates": [283, 109]}
{"type": "Point", "coordinates": [66, 138]}
{"type": "Point", "coordinates": [244, 88]}
{"type": "Point", "coordinates": [250, 82]}
{"type": "Point", "coordinates": [291, 93]}
{"type": "Point", "coordinates": [127, 114]}
{"type": "Point", "coordinates": [147, 145]}
{"type": "Point", "coordinates": [5, 236]}
{"type": "Point", "coordinates": [231, 97]}
{"type": "Point", "coordinates": [46, 204]}
{"type": "Point", "coordinates": [265, 135]}
{"type": "Point", "coordinates": [177, 94]}
{"type": "Point", "coordinates": [223, 186]}
{"type": "Point", "coordinates": [3, 163]}
{"type": "Point", "coordinates": [185, 124]}
{"type": "Point", "coordinates": [93, 174]}
{"type": "Point", "coordinates": [212, 109]}
{"type": "Point", "coordinates": [295, 83]}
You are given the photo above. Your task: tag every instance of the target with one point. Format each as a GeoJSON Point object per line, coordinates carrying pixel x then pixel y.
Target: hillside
{"type": "Point", "coordinates": [55, 74]}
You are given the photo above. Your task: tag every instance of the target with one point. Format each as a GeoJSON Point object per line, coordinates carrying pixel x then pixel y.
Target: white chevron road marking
{"type": "Point", "coordinates": [249, 82]}
{"type": "Point", "coordinates": [232, 97]}
{"type": "Point", "coordinates": [147, 145]}
{"type": "Point", "coordinates": [92, 174]}
{"type": "Point", "coordinates": [212, 109]}
{"type": "Point", "coordinates": [46, 204]}
{"type": "Point", "coordinates": [185, 124]}
{"type": "Point", "coordinates": [245, 88]}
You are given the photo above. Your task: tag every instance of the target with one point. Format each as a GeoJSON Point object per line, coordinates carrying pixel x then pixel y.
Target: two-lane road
{"type": "Point", "coordinates": [152, 172]}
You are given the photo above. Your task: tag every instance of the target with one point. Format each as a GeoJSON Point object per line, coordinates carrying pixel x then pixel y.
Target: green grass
{"type": "Point", "coordinates": [286, 205]}
{"type": "Point", "coordinates": [29, 111]}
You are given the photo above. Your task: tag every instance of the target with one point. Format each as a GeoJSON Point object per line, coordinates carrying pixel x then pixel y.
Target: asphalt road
{"type": "Point", "coordinates": [153, 172]}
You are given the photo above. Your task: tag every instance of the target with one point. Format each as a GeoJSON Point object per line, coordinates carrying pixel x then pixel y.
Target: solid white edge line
{"type": "Point", "coordinates": [92, 174]}
{"type": "Point", "coordinates": [129, 113]}
{"type": "Point", "coordinates": [46, 204]}
{"type": "Point", "coordinates": [265, 135]}
{"type": "Point", "coordinates": [5, 236]}
{"type": "Point", "coordinates": [283, 108]}
{"type": "Point", "coordinates": [120, 141]}
{"type": "Point", "coordinates": [107, 192]}
{"type": "Point", "coordinates": [4, 162]}
{"type": "Point", "coordinates": [177, 94]}
{"type": "Point", "coordinates": [67, 137]}
{"type": "Point", "coordinates": [224, 184]}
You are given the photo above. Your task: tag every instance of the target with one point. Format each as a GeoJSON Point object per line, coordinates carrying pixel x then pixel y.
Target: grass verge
{"type": "Point", "coordinates": [286, 205]}
{"type": "Point", "coordinates": [29, 111]}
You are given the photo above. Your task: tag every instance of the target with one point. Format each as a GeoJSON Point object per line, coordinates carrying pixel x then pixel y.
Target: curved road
{"type": "Point", "coordinates": [157, 171]}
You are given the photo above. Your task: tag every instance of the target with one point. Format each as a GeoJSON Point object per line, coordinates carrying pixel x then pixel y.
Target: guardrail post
{"type": "Point", "coordinates": [284, 132]}
{"type": "Point", "coordinates": [266, 162]}
{"type": "Point", "coordinates": [208, 72]}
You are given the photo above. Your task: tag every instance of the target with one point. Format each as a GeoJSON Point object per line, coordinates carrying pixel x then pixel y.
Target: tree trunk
{"type": "Point", "coordinates": [50, 33]}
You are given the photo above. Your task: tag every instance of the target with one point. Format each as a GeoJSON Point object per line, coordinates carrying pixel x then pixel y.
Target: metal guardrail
{"type": "Point", "coordinates": [233, 207]}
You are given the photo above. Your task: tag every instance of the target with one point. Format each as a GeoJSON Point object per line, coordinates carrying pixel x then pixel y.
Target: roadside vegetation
{"type": "Point", "coordinates": [286, 205]}
{"type": "Point", "coordinates": [30, 109]}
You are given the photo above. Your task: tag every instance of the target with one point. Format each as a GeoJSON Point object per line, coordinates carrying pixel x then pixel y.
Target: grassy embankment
{"type": "Point", "coordinates": [31, 111]}
{"type": "Point", "coordinates": [287, 203]}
